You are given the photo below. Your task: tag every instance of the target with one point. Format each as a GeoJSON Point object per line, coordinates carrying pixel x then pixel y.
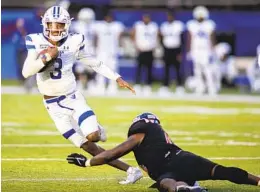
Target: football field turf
{"type": "Point", "coordinates": [34, 153]}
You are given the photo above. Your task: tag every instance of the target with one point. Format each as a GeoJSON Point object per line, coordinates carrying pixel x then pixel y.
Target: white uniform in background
{"type": "Point", "coordinates": [171, 32]}
{"type": "Point", "coordinates": [224, 65]}
{"type": "Point", "coordinates": [108, 34]}
{"type": "Point", "coordinates": [253, 72]}
{"type": "Point", "coordinates": [146, 39]}
{"type": "Point", "coordinates": [85, 25]}
{"type": "Point", "coordinates": [201, 49]}
{"type": "Point", "coordinates": [146, 35]}
{"type": "Point", "coordinates": [172, 36]}
{"type": "Point", "coordinates": [88, 30]}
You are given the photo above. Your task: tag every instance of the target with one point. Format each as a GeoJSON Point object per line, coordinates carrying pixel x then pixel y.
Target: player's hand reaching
{"type": "Point", "coordinates": [77, 159]}
{"type": "Point", "coordinates": [124, 84]}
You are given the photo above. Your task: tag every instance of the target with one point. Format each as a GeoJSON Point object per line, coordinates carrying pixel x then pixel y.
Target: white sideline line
{"type": "Point", "coordinates": [124, 159]}
{"type": "Point", "coordinates": [62, 179]}
{"type": "Point", "coordinates": [44, 132]}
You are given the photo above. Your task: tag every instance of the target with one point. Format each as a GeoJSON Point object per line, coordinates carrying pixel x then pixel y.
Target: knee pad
{"type": "Point", "coordinates": [88, 123]}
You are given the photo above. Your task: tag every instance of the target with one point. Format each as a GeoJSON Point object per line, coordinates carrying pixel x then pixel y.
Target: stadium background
{"type": "Point", "coordinates": [223, 128]}
{"type": "Point", "coordinates": [237, 23]}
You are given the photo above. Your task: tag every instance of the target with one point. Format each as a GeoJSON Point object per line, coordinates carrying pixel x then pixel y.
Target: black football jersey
{"type": "Point", "coordinates": [154, 153]}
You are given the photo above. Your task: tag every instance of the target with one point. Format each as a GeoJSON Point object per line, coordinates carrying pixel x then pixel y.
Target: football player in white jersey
{"type": "Point", "coordinates": [85, 25]}
{"type": "Point", "coordinates": [225, 67]}
{"type": "Point", "coordinates": [253, 72]}
{"type": "Point", "coordinates": [51, 55]}
{"type": "Point", "coordinates": [108, 38]}
{"type": "Point", "coordinates": [201, 41]}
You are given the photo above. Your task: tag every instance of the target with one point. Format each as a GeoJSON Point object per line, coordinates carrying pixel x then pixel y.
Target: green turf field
{"type": "Point", "coordinates": [33, 152]}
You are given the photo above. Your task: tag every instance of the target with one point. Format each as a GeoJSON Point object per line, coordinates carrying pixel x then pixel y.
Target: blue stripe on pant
{"type": "Point", "coordinates": [84, 116]}
{"type": "Point", "coordinates": [69, 133]}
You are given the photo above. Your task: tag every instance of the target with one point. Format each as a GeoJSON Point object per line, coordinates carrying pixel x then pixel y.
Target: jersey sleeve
{"type": "Point", "coordinates": [30, 45]}
{"type": "Point", "coordinates": [155, 26]}
{"type": "Point", "coordinates": [82, 43]}
{"type": "Point", "coordinates": [138, 127]}
{"type": "Point", "coordinates": [211, 26]}
{"type": "Point", "coordinates": [32, 63]}
{"type": "Point", "coordinates": [162, 28]}
{"type": "Point", "coordinates": [81, 48]}
{"type": "Point", "coordinates": [120, 27]}
{"type": "Point", "coordinates": [96, 27]}
{"type": "Point", "coordinates": [190, 25]}
{"type": "Point", "coordinates": [136, 24]}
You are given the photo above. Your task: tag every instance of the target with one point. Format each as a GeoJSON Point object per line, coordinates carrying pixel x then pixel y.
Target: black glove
{"type": "Point", "coordinates": [77, 159]}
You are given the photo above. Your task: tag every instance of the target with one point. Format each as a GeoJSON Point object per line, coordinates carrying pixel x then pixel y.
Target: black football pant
{"type": "Point", "coordinates": [189, 168]}
{"type": "Point", "coordinates": [145, 60]}
{"type": "Point", "coordinates": [171, 59]}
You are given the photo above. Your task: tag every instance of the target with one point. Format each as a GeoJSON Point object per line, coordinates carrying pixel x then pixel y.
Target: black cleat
{"type": "Point", "coordinates": [183, 188]}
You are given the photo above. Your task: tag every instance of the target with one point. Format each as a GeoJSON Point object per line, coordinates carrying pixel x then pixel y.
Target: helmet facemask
{"type": "Point", "coordinates": [56, 26]}
{"type": "Point", "coordinates": [56, 31]}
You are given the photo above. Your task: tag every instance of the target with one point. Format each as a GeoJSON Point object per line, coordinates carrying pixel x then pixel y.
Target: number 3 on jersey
{"type": "Point", "coordinates": [56, 74]}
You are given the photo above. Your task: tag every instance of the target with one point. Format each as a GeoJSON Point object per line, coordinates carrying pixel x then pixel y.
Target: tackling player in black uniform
{"type": "Point", "coordinates": [173, 169]}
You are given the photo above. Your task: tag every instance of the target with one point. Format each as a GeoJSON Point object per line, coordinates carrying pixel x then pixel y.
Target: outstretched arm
{"type": "Point", "coordinates": [104, 70]}
{"type": "Point", "coordinates": [109, 155]}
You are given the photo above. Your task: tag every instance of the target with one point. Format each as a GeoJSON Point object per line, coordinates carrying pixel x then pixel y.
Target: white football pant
{"type": "Point", "coordinates": [73, 118]}
{"type": "Point", "coordinates": [202, 69]}
{"type": "Point", "coordinates": [111, 62]}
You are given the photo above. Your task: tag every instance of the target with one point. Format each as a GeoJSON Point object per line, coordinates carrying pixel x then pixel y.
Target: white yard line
{"type": "Point", "coordinates": [199, 143]}
{"type": "Point", "coordinates": [124, 159]}
{"type": "Point", "coordinates": [192, 109]}
{"type": "Point", "coordinates": [17, 90]}
{"type": "Point", "coordinates": [53, 132]}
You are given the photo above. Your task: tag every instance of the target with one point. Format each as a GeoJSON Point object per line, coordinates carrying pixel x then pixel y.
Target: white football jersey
{"type": "Point", "coordinates": [58, 79]}
{"type": "Point", "coordinates": [200, 34]}
{"type": "Point", "coordinates": [146, 35]}
{"type": "Point", "coordinates": [171, 32]}
{"type": "Point", "coordinates": [108, 37]}
{"type": "Point", "coordinates": [88, 30]}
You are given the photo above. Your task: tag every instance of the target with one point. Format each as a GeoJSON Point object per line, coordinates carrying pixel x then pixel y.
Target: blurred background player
{"type": "Point", "coordinates": [145, 37]}
{"type": "Point", "coordinates": [108, 34]}
{"type": "Point", "coordinates": [253, 73]}
{"type": "Point", "coordinates": [85, 25]}
{"type": "Point", "coordinates": [225, 70]}
{"type": "Point", "coordinates": [171, 32]}
{"type": "Point", "coordinates": [23, 28]}
{"type": "Point", "coordinates": [21, 52]}
{"type": "Point", "coordinates": [201, 41]}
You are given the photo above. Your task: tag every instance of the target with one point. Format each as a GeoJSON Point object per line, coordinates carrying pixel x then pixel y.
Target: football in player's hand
{"type": "Point", "coordinates": [53, 51]}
